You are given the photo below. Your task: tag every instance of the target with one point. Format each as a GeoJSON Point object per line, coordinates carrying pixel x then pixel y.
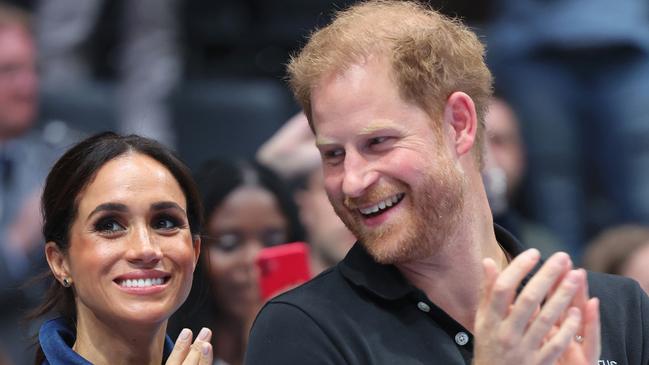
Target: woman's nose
{"type": "Point", "coordinates": [144, 248]}
{"type": "Point", "coordinates": [253, 247]}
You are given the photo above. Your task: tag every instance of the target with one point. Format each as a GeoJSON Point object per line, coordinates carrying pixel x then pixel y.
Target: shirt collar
{"type": "Point", "coordinates": [386, 281]}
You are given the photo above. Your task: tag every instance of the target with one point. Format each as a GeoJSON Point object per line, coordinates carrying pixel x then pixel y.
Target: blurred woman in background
{"type": "Point", "coordinates": [621, 250]}
{"type": "Point", "coordinates": [247, 207]}
{"type": "Point", "coordinates": [121, 223]}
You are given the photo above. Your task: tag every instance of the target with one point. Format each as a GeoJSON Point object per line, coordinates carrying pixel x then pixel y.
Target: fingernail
{"type": "Point", "coordinates": [574, 276]}
{"type": "Point", "coordinates": [203, 334]}
{"type": "Point", "coordinates": [184, 334]}
{"type": "Point", "coordinates": [205, 348]}
{"type": "Point", "coordinates": [533, 253]}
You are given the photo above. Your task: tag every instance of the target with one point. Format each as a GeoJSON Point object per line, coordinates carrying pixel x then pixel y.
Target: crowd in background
{"type": "Point", "coordinates": [568, 132]}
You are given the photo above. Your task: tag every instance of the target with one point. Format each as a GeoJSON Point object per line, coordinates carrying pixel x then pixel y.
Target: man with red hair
{"type": "Point", "coordinates": [396, 95]}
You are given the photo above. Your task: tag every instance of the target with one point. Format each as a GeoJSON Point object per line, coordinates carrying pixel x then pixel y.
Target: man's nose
{"type": "Point", "coordinates": [358, 175]}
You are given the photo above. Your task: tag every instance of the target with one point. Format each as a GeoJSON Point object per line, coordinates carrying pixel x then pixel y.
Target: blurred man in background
{"type": "Point", "coordinates": [25, 159]}
{"type": "Point", "coordinates": [577, 74]}
{"type": "Point", "coordinates": [504, 172]}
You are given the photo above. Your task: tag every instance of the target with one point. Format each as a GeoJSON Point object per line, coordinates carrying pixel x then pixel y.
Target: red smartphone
{"type": "Point", "coordinates": [282, 267]}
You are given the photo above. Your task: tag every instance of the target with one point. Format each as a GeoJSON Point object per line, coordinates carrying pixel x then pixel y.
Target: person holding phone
{"type": "Point", "coordinates": [122, 219]}
{"type": "Point", "coordinates": [247, 208]}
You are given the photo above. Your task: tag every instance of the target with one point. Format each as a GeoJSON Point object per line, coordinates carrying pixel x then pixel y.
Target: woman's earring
{"type": "Point", "coordinates": [66, 282]}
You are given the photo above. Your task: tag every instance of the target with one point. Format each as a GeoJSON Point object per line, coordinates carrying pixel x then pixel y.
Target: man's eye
{"type": "Point", "coordinates": [334, 153]}
{"type": "Point", "coordinates": [108, 225]}
{"type": "Point", "coordinates": [380, 144]}
{"type": "Point", "coordinates": [333, 156]}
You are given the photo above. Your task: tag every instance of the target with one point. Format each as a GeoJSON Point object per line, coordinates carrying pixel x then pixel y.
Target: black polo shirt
{"type": "Point", "coordinates": [363, 312]}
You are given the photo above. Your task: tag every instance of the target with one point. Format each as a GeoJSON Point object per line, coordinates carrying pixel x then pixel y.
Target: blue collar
{"type": "Point", "coordinates": [57, 337]}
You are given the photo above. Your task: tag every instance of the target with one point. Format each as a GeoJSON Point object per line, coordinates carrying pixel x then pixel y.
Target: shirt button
{"type": "Point", "coordinates": [423, 307]}
{"type": "Point", "coordinates": [461, 338]}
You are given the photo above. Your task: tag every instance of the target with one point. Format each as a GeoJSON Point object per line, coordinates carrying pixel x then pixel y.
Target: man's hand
{"type": "Point", "coordinates": [540, 324]}
{"type": "Point", "coordinates": [186, 353]}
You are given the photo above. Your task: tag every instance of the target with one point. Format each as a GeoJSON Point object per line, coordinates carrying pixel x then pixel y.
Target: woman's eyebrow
{"type": "Point", "coordinates": [166, 205]}
{"type": "Point", "coordinates": [112, 207]}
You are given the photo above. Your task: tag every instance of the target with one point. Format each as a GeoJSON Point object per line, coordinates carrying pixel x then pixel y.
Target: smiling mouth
{"type": "Point", "coordinates": [142, 283]}
{"type": "Point", "coordinates": [381, 206]}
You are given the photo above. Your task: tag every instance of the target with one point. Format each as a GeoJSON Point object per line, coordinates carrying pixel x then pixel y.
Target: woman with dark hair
{"type": "Point", "coordinates": [247, 207]}
{"type": "Point", "coordinates": [121, 223]}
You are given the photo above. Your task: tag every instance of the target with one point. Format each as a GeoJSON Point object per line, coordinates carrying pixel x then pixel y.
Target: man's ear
{"type": "Point", "coordinates": [460, 114]}
{"type": "Point", "coordinates": [58, 262]}
{"type": "Point", "coordinates": [196, 245]}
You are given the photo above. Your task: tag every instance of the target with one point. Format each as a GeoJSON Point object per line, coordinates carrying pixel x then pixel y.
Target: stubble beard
{"type": "Point", "coordinates": [432, 217]}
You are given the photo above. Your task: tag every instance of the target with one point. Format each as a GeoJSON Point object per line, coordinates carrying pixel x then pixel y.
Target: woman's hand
{"type": "Point", "coordinates": [540, 324]}
{"type": "Point", "coordinates": [186, 353]}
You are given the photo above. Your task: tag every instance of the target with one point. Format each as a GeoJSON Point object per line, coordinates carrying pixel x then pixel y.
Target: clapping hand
{"type": "Point", "coordinates": [552, 320]}
{"type": "Point", "coordinates": [186, 353]}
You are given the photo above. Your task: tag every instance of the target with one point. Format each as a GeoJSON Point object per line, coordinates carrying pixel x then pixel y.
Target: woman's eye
{"type": "Point", "coordinates": [165, 223]}
{"type": "Point", "coordinates": [108, 225]}
{"type": "Point", "coordinates": [227, 242]}
{"type": "Point", "coordinates": [274, 237]}
{"type": "Point", "coordinates": [377, 140]}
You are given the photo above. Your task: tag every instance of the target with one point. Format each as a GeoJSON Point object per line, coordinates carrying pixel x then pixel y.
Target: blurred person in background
{"type": "Point", "coordinates": [4, 359]}
{"type": "Point", "coordinates": [577, 74]}
{"type": "Point", "coordinates": [247, 207]}
{"type": "Point", "coordinates": [504, 172]}
{"type": "Point", "coordinates": [25, 158]}
{"type": "Point", "coordinates": [292, 153]}
{"type": "Point", "coordinates": [148, 61]}
{"type": "Point", "coordinates": [621, 250]}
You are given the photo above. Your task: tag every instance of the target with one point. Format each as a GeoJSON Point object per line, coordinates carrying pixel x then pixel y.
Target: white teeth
{"type": "Point", "coordinates": [382, 205]}
{"type": "Point", "coordinates": [141, 283]}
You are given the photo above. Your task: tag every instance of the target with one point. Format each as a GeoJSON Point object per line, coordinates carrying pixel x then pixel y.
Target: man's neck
{"type": "Point", "coordinates": [452, 278]}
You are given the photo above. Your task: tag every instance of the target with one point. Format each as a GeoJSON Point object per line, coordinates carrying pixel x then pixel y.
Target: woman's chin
{"type": "Point", "coordinates": [145, 315]}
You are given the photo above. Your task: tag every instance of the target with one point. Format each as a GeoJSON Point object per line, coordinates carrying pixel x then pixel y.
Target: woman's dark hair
{"type": "Point", "coordinates": [71, 174]}
{"type": "Point", "coordinates": [216, 179]}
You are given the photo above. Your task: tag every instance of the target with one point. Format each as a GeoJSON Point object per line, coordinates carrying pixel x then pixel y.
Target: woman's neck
{"type": "Point", "coordinates": [104, 342]}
